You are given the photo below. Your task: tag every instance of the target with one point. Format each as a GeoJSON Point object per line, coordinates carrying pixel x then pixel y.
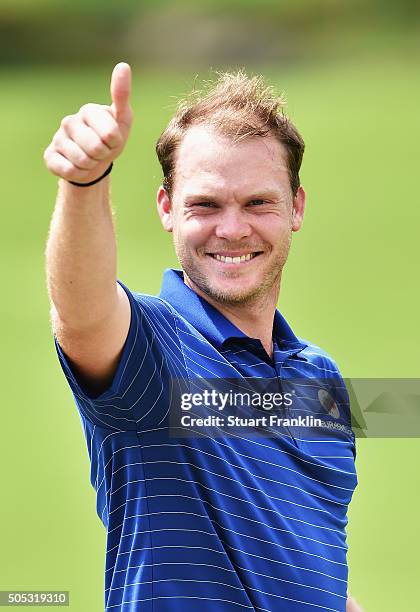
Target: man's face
{"type": "Point", "coordinates": [232, 214]}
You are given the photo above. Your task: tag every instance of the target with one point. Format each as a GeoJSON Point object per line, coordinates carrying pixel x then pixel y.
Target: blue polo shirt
{"type": "Point", "coordinates": [214, 522]}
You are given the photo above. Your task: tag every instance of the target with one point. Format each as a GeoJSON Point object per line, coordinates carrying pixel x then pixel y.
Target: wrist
{"type": "Point", "coordinates": [107, 171]}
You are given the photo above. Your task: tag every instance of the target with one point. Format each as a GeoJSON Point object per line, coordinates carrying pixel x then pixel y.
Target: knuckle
{"type": "Point", "coordinates": [50, 161]}
{"type": "Point", "coordinates": [67, 172]}
{"type": "Point", "coordinates": [112, 137]}
{"type": "Point", "coordinates": [50, 166]}
{"type": "Point", "coordinates": [86, 162]}
{"type": "Point", "coordinates": [97, 150]}
{"type": "Point", "coordinates": [90, 106]}
{"type": "Point", "coordinates": [66, 121]}
{"type": "Point", "coordinates": [57, 139]}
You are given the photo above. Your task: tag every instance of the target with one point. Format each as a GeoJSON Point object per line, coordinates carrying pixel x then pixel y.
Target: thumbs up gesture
{"type": "Point", "coordinates": [86, 143]}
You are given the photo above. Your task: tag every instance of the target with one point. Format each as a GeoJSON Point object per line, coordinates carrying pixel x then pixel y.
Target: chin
{"type": "Point", "coordinates": [228, 293]}
{"type": "Point", "coordinates": [232, 288]}
{"type": "Point", "coordinates": [235, 298]}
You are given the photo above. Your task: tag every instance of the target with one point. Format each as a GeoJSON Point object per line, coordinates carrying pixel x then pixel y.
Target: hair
{"type": "Point", "coordinates": [237, 107]}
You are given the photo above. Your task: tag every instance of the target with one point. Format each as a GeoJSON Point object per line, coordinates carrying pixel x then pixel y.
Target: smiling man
{"type": "Point", "coordinates": [232, 211]}
{"type": "Point", "coordinates": [205, 521]}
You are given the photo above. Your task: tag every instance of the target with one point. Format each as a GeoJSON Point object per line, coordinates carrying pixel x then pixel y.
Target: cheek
{"type": "Point", "coordinates": [194, 233]}
{"type": "Point", "coordinates": [272, 228]}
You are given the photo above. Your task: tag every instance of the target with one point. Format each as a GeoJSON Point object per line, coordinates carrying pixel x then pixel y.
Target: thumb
{"type": "Point", "coordinates": [120, 93]}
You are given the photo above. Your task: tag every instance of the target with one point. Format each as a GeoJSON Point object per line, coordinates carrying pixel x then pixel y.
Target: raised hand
{"type": "Point", "coordinates": [86, 143]}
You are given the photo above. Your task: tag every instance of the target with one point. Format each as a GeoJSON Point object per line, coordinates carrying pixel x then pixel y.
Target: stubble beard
{"type": "Point", "coordinates": [270, 281]}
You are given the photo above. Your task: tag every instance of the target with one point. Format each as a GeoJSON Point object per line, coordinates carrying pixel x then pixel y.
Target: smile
{"type": "Point", "coordinates": [226, 259]}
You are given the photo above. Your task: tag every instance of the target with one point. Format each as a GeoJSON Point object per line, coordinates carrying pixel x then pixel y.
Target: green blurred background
{"type": "Point", "coordinates": [350, 69]}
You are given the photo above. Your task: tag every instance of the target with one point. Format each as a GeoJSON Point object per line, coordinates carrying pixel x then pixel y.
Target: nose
{"type": "Point", "coordinates": [232, 225]}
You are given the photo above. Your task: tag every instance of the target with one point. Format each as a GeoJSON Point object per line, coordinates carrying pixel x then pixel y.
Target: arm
{"type": "Point", "coordinates": [90, 312]}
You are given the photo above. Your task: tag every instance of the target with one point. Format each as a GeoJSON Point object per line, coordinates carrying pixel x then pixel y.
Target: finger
{"type": "Point", "coordinates": [121, 92]}
{"type": "Point", "coordinates": [62, 167]}
{"type": "Point", "coordinates": [87, 139]}
{"type": "Point", "coordinates": [74, 154]}
{"type": "Point", "coordinates": [101, 120]}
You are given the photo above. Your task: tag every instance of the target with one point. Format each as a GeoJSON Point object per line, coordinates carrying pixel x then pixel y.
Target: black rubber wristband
{"type": "Point", "coordinates": [107, 171]}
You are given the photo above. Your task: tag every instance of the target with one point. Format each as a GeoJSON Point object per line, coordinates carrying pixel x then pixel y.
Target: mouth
{"type": "Point", "coordinates": [235, 260]}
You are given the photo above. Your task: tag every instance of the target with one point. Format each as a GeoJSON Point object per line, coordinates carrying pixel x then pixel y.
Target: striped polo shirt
{"type": "Point", "coordinates": [215, 522]}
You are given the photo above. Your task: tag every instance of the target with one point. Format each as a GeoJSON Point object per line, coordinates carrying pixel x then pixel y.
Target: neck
{"type": "Point", "coordinates": [254, 317]}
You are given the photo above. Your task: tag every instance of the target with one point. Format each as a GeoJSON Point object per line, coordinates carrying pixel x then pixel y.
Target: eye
{"type": "Point", "coordinates": [204, 204]}
{"type": "Point", "coordinates": [258, 202]}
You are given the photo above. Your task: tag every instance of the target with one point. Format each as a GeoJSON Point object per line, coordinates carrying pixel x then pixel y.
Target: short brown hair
{"type": "Point", "coordinates": [239, 107]}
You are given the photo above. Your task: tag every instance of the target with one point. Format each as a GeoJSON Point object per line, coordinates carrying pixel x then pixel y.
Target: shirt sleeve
{"type": "Point", "coordinates": [340, 394]}
{"type": "Point", "coordinates": [333, 403]}
{"type": "Point", "coordinates": [137, 396]}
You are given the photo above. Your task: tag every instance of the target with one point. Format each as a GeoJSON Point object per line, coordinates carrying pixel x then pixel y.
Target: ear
{"type": "Point", "coordinates": [164, 208]}
{"type": "Point", "coordinates": [298, 209]}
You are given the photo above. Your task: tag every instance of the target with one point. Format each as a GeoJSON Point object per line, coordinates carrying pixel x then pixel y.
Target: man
{"type": "Point", "coordinates": [205, 522]}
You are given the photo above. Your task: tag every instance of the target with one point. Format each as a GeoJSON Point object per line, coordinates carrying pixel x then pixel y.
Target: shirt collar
{"type": "Point", "coordinates": [214, 326]}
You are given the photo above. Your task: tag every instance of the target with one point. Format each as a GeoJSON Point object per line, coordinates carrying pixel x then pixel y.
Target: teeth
{"type": "Point", "coordinates": [235, 260]}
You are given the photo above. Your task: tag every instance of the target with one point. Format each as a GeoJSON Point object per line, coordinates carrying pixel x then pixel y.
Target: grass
{"type": "Point", "coordinates": [350, 286]}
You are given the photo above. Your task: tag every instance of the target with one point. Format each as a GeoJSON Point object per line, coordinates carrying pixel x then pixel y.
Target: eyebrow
{"type": "Point", "coordinates": [199, 197]}
{"type": "Point", "coordinates": [259, 195]}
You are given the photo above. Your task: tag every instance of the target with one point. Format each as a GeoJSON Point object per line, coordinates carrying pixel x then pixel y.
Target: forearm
{"type": "Point", "coordinates": [81, 256]}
